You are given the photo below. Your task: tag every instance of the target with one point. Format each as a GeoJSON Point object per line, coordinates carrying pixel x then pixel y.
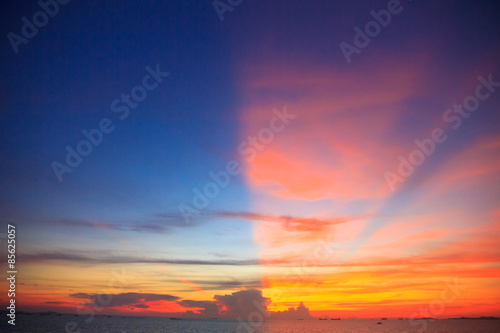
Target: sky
{"type": "Point", "coordinates": [212, 159]}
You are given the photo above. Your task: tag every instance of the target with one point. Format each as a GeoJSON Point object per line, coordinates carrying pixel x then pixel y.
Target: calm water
{"type": "Point", "coordinates": [37, 323]}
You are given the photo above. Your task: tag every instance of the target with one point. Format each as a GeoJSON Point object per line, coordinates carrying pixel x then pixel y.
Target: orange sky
{"type": "Point", "coordinates": [393, 252]}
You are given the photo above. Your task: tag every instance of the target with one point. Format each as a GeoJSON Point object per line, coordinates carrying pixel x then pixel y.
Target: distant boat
{"type": "Point", "coordinates": [379, 323]}
{"type": "Point", "coordinates": [384, 318]}
{"type": "Point", "coordinates": [335, 319]}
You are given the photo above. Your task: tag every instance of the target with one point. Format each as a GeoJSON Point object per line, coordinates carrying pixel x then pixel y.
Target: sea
{"type": "Point", "coordinates": [36, 323]}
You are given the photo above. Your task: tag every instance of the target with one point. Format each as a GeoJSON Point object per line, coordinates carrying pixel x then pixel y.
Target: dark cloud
{"type": "Point", "coordinates": [301, 312]}
{"type": "Point", "coordinates": [124, 299]}
{"type": "Point", "coordinates": [210, 309]}
{"type": "Point", "coordinates": [244, 304]}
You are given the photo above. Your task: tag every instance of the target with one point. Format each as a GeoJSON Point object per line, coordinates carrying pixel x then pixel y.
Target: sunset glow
{"type": "Point", "coordinates": [249, 167]}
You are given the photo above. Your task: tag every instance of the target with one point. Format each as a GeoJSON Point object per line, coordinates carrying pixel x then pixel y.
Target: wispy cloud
{"type": "Point", "coordinates": [287, 222]}
{"type": "Point", "coordinates": [76, 257]}
{"type": "Point", "coordinates": [290, 223]}
{"type": "Point", "coordinates": [153, 228]}
{"type": "Point", "coordinates": [136, 300]}
{"type": "Point", "coordinates": [225, 285]}
{"type": "Point", "coordinates": [167, 223]}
